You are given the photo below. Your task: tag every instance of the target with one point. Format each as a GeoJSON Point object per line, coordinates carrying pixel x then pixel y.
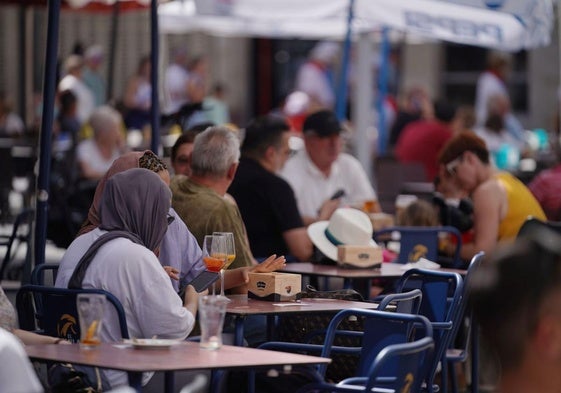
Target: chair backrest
{"type": "Point", "coordinates": [390, 174]}
{"type": "Point", "coordinates": [422, 242]}
{"type": "Point", "coordinates": [442, 292]}
{"type": "Point", "coordinates": [44, 274]}
{"type": "Point", "coordinates": [52, 311]}
{"type": "Point", "coordinates": [413, 359]}
{"type": "Point", "coordinates": [404, 302]}
{"type": "Point", "coordinates": [24, 217]}
{"type": "Point", "coordinates": [473, 266]}
{"type": "Point", "coordinates": [380, 330]}
{"type": "Point", "coordinates": [533, 223]}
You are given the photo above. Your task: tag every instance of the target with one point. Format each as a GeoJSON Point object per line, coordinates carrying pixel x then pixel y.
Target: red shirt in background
{"type": "Point", "coordinates": [421, 142]}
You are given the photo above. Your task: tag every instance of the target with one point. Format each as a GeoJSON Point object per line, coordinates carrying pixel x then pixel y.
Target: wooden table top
{"type": "Point", "coordinates": [184, 356]}
{"type": "Point", "coordinates": [242, 305]}
{"type": "Point", "coordinates": [388, 270]}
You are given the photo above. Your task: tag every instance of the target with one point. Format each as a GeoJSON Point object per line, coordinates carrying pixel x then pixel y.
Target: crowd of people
{"type": "Point", "coordinates": [147, 222]}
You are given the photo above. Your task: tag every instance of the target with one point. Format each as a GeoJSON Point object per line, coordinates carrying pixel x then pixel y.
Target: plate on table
{"type": "Point", "coordinates": [152, 343]}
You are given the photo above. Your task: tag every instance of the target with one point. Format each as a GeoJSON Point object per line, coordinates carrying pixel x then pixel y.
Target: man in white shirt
{"type": "Point", "coordinates": [315, 75]}
{"type": "Point", "coordinates": [73, 81]}
{"type": "Point", "coordinates": [175, 82]}
{"type": "Point", "coordinates": [317, 172]}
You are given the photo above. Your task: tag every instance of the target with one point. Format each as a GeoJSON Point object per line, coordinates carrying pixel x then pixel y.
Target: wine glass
{"type": "Point", "coordinates": [230, 249]}
{"type": "Point", "coordinates": [214, 255]}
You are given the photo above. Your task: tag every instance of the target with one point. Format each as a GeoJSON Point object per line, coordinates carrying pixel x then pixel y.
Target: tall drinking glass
{"type": "Point", "coordinates": [214, 254]}
{"type": "Point", "coordinates": [230, 249]}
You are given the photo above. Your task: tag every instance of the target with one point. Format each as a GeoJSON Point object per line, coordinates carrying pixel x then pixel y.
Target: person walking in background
{"type": "Point", "coordinates": [266, 201]}
{"type": "Point", "coordinates": [315, 77]}
{"type": "Point", "coordinates": [175, 82]}
{"type": "Point", "coordinates": [492, 82]}
{"type": "Point", "coordinates": [73, 81]}
{"type": "Point", "coordinates": [138, 96]}
{"type": "Point", "coordinates": [322, 176]}
{"type": "Point", "coordinates": [93, 59]}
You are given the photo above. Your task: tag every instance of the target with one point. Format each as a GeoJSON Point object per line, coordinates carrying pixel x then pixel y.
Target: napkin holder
{"type": "Point", "coordinates": [360, 257]}
{"type": "Point", "coordinates": [274, 286]}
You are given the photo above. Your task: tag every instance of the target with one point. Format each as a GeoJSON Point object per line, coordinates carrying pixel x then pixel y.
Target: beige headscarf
{"type": "Point", "coordinates": [124, 162]}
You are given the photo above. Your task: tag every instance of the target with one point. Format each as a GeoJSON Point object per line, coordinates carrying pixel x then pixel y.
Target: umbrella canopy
{"type": "Point", "coordinates": [499, 24]}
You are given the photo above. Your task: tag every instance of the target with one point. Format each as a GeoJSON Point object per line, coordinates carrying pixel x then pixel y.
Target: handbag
{"type": "Point", "coordinates": [70, 378]}
{"type": "Point", "coordinates": [340, 294]}
{"type": "Point", "coordinates": [311, 328]}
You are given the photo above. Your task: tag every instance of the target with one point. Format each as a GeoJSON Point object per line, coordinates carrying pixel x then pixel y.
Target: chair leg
{"type": "Point", "coordinates": [474, 358]}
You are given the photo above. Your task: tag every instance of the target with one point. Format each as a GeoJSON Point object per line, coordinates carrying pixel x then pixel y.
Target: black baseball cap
{"type": "Point", "coordinates": [324, 123]}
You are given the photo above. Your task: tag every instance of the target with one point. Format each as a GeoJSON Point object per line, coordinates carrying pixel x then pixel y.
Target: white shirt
{"type": "Point", "coordinates": [134, 275]}
{"type": "Point", "coordinates": [175, 88]}
{"type": "Point", "coordinates": [488, 85]}
{"type": "Point", "coordinates": [84, 96]}
{"type": "Point", "coordinates": [16, 374]}
{"type": "Point", "coordinates": [87, 152]}
{"type": "Point", "coordinates": [314, 82]}
{"type": "Point", "coordinates": [312, 188]}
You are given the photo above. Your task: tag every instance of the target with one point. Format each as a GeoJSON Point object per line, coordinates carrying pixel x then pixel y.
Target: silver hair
{"type": "Point", "coordinates": [214, 151]}
{"type": "Point", "coordinates": [104, 119]}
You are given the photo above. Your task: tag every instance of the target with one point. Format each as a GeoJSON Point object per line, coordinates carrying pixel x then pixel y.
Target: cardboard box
{"type": "Point", "coordinates": [381, 221]}
{"type": "Point", "coordinates": [359, 256]}
{"type": "Point", "coordinates": [274, 286]}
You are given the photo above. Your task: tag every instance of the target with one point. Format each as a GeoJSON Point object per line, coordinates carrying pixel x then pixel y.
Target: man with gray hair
{"type": "Point", "coordinates": [199, 200]}
{"type": "Point", "coordinates": [73, 81]}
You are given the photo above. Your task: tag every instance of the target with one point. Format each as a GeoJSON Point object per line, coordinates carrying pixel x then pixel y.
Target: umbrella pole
{"type": "Point", "coordinates": [341, 96]}
{"type": "Point", "coordinates": [49, 88]}
{"type": "Point", "coordinates": [155, 114]}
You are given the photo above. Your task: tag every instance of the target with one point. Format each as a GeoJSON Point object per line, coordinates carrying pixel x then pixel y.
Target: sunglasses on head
{"type": "Point", "coordinates": [452, 166]}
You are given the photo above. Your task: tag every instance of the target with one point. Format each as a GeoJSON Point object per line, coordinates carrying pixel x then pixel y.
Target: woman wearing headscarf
{"type": "Point", "coordinates": [180, 254]}
{"type": "Point", "coordinates": [133, 211]}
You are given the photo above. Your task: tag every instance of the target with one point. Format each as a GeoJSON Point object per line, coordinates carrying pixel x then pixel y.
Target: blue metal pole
{"type": "Point", "coordinates": [382, 92]}
{"type": "Point", "coordinates": [155, 114]}
{"type": "Point", "coordinates": [49, 89]}
{"type": "Point", "coordinates": [341, 96]}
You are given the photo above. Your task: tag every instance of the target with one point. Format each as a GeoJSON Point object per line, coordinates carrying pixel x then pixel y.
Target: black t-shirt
{"type": "Point", "coordinates": [268, 207]}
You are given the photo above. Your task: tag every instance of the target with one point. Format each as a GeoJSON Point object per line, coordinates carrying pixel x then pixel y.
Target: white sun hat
{"type": "Point", "coordinates": [347, 226]}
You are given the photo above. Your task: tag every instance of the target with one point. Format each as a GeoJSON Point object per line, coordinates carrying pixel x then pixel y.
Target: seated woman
{"type": "Point", "coordinates": [180, 253]}
{"type": "Point", "coordinates": [501, 203]}
{"type": "Point", "coordinates": [136, 204]}
{"type": "Point", "coordinates": [96, 155]}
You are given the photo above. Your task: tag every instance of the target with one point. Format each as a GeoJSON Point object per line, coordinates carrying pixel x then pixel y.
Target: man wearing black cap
{"type": "Point", "coordinates": [322, 177]}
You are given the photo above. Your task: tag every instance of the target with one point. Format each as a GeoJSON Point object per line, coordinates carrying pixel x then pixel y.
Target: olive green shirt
{"type": "Point", "coordinates": [204, 212]}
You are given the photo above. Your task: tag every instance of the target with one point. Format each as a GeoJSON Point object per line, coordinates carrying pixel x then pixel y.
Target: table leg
{"type": "Point", "coordinates": [135, 380]}
{"type": "Point", "coordinates": [238, 334]}
{"type": "Point", "coordinates": [169, 382]}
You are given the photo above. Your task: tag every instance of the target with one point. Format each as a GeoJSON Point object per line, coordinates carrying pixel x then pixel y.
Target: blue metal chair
{"type": "Point", "coordinates": [421, 242]}
{"type": "Point", "coordinates": [404, 302]}
{"type": "Point", "coordinates": [39, 273]}
{"type": "Point", "coordinates": [456, 354]}
{"type": "Point", "coordinates": [413, 360]}
{"type": "Point", "coordinates": [440, 304]}
{"type": "Point", "coordinates": [380, 329]}
{"type": "Point", "coordinates": [52, 311]}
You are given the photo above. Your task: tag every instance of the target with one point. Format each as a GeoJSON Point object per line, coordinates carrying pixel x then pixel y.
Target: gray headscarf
{"type": "Point", "coordinates": [134, 205]}
{"type": "Point", "coordinates": [136, 201]}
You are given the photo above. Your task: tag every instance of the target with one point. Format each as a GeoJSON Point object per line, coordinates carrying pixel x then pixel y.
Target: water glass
{"type": "Point", "coordinates": [91, 307]}
{"type": "Point", "coordinates": [212, 310]}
